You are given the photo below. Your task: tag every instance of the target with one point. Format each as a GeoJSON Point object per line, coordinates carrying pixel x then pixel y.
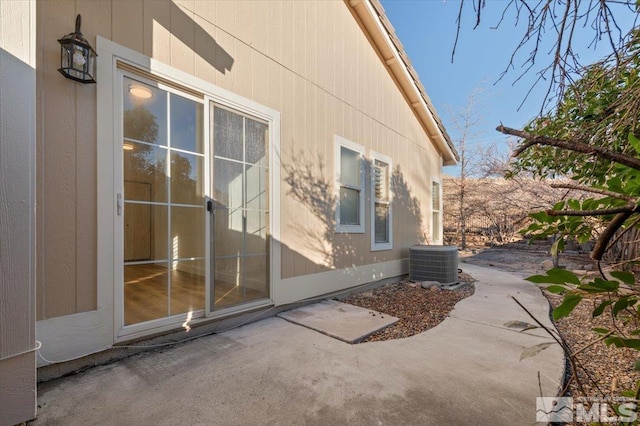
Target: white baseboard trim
{"type": "Point", "coordinates": [294, 289]}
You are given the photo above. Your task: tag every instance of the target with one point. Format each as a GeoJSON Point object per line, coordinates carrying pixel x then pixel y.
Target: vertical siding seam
{"type": "Point", "coordinates": [42, 168]}
{"type": "Point", "coordinates": [143, 31]}
{"type": "Point", "coordinates": [39, 169]}
{"type": "Point", "coordinates": [75, 192]}
{"type": "Point", "coordinates": [193, 48]}
{"type": "Point", "coordinates": [33, 227]}
{"type": "Point", "coordinates": [235, 28]}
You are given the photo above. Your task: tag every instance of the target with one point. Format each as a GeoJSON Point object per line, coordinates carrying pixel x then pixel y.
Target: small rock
{"type": "Point", "coordinates": [434, 288]}
{"type": "Point", "coordinates": [429, 284]}
{"type": "Point", "coordinates": [547, 264]}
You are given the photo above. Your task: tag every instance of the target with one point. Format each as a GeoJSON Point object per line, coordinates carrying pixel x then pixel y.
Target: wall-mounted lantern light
{"type": "Point", "coordinates": [77, 57]}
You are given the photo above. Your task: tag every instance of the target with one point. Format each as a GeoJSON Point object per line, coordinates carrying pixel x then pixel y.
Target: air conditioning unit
{"type": "Point", "coordinates": [433, 263]}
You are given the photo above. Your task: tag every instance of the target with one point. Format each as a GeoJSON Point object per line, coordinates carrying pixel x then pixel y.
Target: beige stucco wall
{"type": "Point", "coordinates": [307, 59]}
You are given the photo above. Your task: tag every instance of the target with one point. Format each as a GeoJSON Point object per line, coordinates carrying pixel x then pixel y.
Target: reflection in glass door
{"type": "Point", "coordinates": [164, 216]}
{"type": "Point", "coordinates": [241, 208]}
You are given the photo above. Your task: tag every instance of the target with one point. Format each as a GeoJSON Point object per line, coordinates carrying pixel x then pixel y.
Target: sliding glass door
{"type": "Point", "coordinates": [194, 206]}
{"type": "Point", "coordinates": [240, 166]}
{"type": "Point", "coordinates": [163, 202]}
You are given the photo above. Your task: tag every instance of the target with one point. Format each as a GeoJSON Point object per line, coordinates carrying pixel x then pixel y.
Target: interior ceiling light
{"type": "Point", "coordinates": [140, 91]}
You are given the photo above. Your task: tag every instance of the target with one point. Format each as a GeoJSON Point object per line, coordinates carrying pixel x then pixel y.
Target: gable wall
{"type": "Point", "coordinates": [309, 60]}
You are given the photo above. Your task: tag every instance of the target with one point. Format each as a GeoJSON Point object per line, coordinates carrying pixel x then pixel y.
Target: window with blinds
{"type": "Point", "coordinates": [435, 209]}
{"type": "Point", "coordinates": [380, 202]}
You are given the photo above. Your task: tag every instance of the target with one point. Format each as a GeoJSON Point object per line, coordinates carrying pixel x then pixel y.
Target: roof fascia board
{"type": "Point", "coordinates": [392, 56]}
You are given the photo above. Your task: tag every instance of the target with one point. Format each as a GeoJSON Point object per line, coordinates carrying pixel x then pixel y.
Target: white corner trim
{"type": "Point", "coordinates": [274, 205]}
{"type": "Point", "coordinates": [18, 124]}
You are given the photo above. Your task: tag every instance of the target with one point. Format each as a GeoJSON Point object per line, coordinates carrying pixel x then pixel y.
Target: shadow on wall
{"type": "Point", "coordinates": [309, 184]}
{"type": "Point", "coordinates": [409, 220]}
{"type": "Point", "coordinates": [181, 25]}
{"type": "Point", "coordinates": [186, 29]}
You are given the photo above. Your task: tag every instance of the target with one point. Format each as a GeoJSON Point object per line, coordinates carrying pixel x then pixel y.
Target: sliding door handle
{"type": "Point", "coordinates": [119, 203]}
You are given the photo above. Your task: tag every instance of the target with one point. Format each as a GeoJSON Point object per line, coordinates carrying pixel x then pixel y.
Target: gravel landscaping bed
{"type": "Point", "coordinates": [607, 369]}
{"type": "Point", "coordinates": [418, 309]}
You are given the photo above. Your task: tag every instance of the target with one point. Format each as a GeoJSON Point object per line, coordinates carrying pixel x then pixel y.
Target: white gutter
{"type": "Point", "coordinates": [379, 35]}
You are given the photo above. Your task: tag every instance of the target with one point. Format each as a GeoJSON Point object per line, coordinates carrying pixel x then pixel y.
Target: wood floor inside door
{"type": "Point", "coordinates": [146, 293]}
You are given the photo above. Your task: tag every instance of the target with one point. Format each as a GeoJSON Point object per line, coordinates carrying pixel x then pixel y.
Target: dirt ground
{"type": "Point", "coordinates": [523, 260]}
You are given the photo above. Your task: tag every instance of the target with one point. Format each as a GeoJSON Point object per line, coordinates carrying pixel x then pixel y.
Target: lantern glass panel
{"type": "Point", "coordinates": [77, 62]}
{"type": "Point", "coordinates": [66, 56]}
{"type": "Point", "coordinates": [91, 65]}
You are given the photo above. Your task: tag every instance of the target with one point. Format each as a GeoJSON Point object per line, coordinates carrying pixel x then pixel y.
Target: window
{"type": "Point", "coordinates": [380, 202]}
{"type": "Point", "coordinates": [435, 209]}
{"type": "Point", "coordinates": [350, 184]}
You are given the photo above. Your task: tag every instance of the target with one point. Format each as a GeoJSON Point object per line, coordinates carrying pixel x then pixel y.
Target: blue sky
{"type": "Point", "coordinates": [427, 30]}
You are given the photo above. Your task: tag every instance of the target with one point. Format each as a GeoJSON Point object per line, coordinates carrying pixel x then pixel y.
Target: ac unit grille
{"type": "Point", "coordinates": [433, 263]}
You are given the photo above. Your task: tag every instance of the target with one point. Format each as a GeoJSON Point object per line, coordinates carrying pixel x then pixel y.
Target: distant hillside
{"type": "Point", "coordinates": [495, 209]}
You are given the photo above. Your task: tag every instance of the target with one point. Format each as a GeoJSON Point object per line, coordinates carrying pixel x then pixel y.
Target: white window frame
{"type": "Point", "coordinates": [341, 142]}
{"type": "Point", "coordinates": [375, 156]}
{"type": "Point", "coordinates": [436, 230]}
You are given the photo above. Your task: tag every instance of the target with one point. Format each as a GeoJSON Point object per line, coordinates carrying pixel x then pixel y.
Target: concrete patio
{"type": "Point", "coordinates": [464, 371]}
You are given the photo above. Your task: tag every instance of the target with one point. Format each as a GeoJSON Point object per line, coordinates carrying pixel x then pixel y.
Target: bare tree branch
{"type": "Point", "coordinates": [584, 213]}
{"type": "Point", "coordinates": [563, 344]}
{"type": "Point", "coordinates": [458, 27]}
{"type": "Point", "coordinates": [581, 147]}
{"type": "Point", "coordinates": [603, 240]}
{"type": "Point", "coordinates": [620, 235]}
{"type": "Point", "coordinates": [586, 188]}
{"type": "Point", "coordinates": [556, 24]}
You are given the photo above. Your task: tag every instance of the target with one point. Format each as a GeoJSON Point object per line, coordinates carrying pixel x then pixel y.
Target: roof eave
{"type": "Point", "coordinates": [381, 33]}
